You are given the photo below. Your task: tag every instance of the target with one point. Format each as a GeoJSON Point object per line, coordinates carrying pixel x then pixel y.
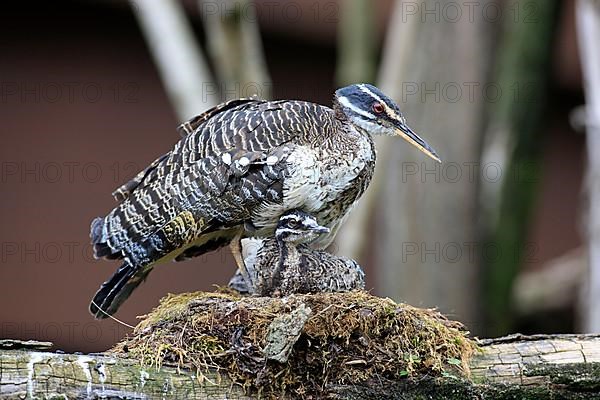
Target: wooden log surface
{"type": "Point", "coordinates": [47, 375]}
{"type": "Point", "coordinates": [529, 360]}
{"type": "Point", "coordinates": [515, 367]}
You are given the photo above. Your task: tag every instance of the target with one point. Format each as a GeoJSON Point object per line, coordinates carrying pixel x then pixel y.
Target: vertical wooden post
{"type": "Point", "coordinates": [588, 29]}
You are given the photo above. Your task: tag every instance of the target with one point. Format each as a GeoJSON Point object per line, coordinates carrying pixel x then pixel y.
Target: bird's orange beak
{"type": "Point", "coordinates": [411, 137]}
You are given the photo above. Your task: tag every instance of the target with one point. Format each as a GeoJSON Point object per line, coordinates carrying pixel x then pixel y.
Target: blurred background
{"type": "Point", "coordinates": [498, 235]}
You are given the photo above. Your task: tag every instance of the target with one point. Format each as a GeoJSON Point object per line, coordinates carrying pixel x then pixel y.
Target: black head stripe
{"type": "Point", "coordinates": [359, 99]}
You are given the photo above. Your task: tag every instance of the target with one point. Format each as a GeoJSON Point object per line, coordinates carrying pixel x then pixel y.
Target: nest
{"type": "Point", "coordinates": [299, 344]}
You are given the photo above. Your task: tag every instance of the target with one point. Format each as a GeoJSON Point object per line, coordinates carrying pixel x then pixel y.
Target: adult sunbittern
{"type": "Point", "coordinates": [238, 168]}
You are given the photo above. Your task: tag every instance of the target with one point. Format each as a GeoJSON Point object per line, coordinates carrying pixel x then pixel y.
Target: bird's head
{"type": "Point", "coordinates": [368, 109]}
{"type": "Point", "coordinates": [298, 227]}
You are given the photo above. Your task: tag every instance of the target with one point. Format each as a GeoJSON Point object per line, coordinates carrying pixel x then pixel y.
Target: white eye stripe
{"type": "Point", "coordinates": [303, 222]}
{"type": "Point", "coordinates": [289, 231]}
{"type": "Point", "coordinates": [346, 103]}
{"type": "Point", "coordinates": [366, 90]}
{"type": "Point", "coordinates": [286, 217]}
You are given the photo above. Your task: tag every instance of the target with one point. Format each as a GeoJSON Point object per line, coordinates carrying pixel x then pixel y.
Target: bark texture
{"type": "Point", "coordinates": [513, 367]}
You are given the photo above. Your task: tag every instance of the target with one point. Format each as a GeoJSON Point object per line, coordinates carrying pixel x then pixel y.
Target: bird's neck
{"type": "Point", "coordinates": [344, 123]}
{"type": "Point", "coordinates": [337, 110]}
{"type": "Point", "coordinates": [289, 255]}
{"type": "Point", "coordinates": [289, 258]}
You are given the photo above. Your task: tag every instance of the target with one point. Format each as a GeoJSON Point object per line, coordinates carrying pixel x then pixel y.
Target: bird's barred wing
{"type": "Point", "coordinates": [123, 192]}
{"type": "Point", "coordinates": [212, 180]}
{"type": "Point", "coordinates": [228, 199]}
{"type": "Point", "coordinates": [184, 130]}
{"type": "Point", "coordinates": [190, 126]}
{"type": "Point", "coordinates": [168, 214]}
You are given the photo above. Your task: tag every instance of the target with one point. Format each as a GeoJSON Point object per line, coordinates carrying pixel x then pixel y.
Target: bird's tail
{"type": "Point", "coordinates": [117, 289]}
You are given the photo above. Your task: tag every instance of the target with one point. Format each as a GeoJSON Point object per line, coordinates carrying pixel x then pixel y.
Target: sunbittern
{"type": "Point", "coordinates": [286, 264]}
{"type": "Point", "coordinates": [238, 168]}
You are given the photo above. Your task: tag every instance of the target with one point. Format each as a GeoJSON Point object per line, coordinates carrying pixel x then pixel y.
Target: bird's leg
{"type": "Point", "coordinates": [236, 250]}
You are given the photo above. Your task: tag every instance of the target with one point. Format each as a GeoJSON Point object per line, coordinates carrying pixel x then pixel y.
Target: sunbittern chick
{"type": "Point", "coordinates": [237, 169]}
{"type": "Point", "coordinates": [286, 264]}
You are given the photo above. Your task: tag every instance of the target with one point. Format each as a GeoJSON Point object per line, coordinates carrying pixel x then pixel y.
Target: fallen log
{"type": "Point", "coordinates": [513, 367]}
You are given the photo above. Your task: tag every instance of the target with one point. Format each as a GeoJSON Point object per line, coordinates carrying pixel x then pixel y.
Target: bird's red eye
{"type": "Point", "coordinates": [378, 108]}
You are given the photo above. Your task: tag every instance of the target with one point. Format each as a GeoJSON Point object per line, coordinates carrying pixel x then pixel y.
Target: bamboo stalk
{"type": "Point", "coordinates": [588, 24]}
{"type": "Point", "coordinates": [177, 55]}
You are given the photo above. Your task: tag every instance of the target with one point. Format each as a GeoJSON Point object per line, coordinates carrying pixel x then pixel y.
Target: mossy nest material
{"type": "Point", "coordinates": [332, 339]}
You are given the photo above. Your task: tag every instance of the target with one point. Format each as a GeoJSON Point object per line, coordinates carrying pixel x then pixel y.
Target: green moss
{"type": "Point", "coordinates": [429, 388]}
{"type": "Point", "coordinates": [348, 338]}
{"type": "Point", "coordinates": [578, 377]}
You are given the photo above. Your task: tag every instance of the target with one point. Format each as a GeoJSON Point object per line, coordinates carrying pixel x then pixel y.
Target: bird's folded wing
{"type": "Point", "coordinates": [212, 180]}
{"type": "Point", "coordinates": [184, 129]}
{"type": "Point", "coordinates": [190, 126]}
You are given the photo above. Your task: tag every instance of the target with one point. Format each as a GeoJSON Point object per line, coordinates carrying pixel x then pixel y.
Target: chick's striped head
{"type": "Point", "coordinates": [298, 227]}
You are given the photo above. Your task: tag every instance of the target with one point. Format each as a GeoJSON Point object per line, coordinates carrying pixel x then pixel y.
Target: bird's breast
{"type": "Point", "coordinates": [324, 181]}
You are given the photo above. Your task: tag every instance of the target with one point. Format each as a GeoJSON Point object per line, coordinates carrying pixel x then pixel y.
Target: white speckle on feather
{"type": "Point", "coordinates": [272, 160]}
{"type": "Point", "coordinates": [227, 158]}
{"type": "Point", "coordinates": [244, 161]}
